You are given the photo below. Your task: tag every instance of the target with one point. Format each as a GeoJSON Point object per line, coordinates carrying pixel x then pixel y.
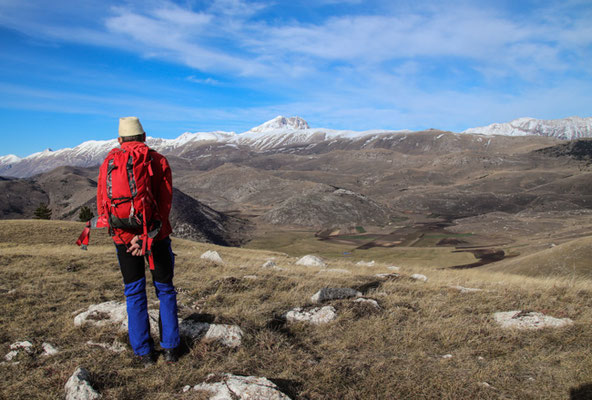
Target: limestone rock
{"type": "Point", "coordinates": [227, 335]}
{"type": "Point", "coordinates": [311, 261]}
{"type": "Point", "coordinates": [111, 313]}
{"type": "Point", "coordinates": [16, 348]}
{"type": "Point", "coordinates": [394, 268]}
{"type": "Point", "coordinates": [228, 386]}
{"type": "Point", "coordinates": [48, 349]}
{"type": "Point", "coordinates": [529, 320]}
{"type": "Point", "coordinates": [213, 256]}
{"type": "Point", "coordinates": [269, 264]}
{"type": "Point", "coordinates": [326, 294]}
{"type": "Point", "coordinates": [115, 313]}
{"type": "Point", "coordinates": [419, 277]}
{"type": "Point", "coordinates": [465, 289]}
{"type": "Point", "coordinates": [108, 313]}
{"type": "Point", "coordinates": [116, 346]}
{"type": "Point", "coordinates": [316, 315]}
{"type": "Point", "coordinates": [78, 386]}
{"type": "Point", "coordinates": [365, 263]}
{"type": "Point", "coordinates": [370, 302]}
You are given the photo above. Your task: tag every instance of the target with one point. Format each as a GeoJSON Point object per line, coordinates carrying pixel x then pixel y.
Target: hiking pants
{"type": "Point", "coordinates": [134, 280]}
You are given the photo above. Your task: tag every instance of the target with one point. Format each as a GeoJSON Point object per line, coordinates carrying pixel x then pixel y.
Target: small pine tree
{"type": "Point", "coordinates": [42, 212]}
{"type": "Point", "coordinates": [85, 214]}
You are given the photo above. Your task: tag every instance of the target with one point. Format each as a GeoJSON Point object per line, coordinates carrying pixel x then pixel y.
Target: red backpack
{"type": "Point", "coordinates": [128, 203]}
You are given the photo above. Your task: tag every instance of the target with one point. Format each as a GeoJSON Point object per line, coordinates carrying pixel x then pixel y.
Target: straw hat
{"type": "Point", "coordinates": [130, 126]}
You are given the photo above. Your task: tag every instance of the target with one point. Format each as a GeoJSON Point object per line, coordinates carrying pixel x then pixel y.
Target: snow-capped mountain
{"type": "Point", "coordinates": [566, 128]}
{"type": "Point", "coordinates": [278, 132]}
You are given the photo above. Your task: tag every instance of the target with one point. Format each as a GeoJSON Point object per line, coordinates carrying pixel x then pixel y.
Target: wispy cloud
{"type": "Point", "coordinates": [393, 64]}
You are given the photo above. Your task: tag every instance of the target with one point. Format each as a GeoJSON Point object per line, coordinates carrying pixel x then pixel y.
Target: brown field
{"type": "Point", "coordinates": [395, 353]}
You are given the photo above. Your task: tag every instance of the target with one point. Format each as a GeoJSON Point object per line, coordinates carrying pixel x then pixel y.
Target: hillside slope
{"type": "Point", "coordinates": [426, 339]}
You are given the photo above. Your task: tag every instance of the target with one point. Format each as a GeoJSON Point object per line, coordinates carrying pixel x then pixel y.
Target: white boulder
{"type": "Point", "coordinates": [387, 276]}
{"type": "Point", "coordinates": [49, 349]}
{"type": "Point", "coordinates": [529, 320]}
{"type": "Point", "coordinates": [213, 256]}
{"type": "Point", "coordinates": [370, 302]}
{"type": "Point", "coordinates": [316, 315]}
{"type": "Point", "coordinates": [228, 386]}
{"type": "Point", "coordinates": [269, 264]}
{"type": "Point", "coordinates": [419, 277]}
{"type": "Point", "coordinates": [78, 386]}
{"type": "Point", "coordinates": [394, 268]}
{"type": "Point", "coordinates": [311, 261]}
{"type": "Point", "coordinates": [465, 289]}
{"type": "Point", "coordinates": [227, 335]}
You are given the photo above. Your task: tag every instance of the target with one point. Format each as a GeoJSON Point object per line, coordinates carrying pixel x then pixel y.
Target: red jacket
{"type": "Point", "coordinates": [162, 190]}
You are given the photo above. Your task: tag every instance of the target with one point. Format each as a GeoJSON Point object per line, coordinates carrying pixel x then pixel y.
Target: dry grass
{"type": "Point", "coordinates": [364, 354]}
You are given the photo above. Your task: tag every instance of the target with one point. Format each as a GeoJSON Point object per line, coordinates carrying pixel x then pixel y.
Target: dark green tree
{"type": "Point", "coordinates": [42, 212]}
{"type": "Point", "coordinates": [85, 214]}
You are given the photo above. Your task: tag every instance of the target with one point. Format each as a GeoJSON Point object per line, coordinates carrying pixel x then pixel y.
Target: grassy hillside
{"type": "Point", "coordinates": [572, 259]}
{"type": "Point", "coordinates": [363, 354]}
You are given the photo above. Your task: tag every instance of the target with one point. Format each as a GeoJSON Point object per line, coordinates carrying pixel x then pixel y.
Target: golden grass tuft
{"type": "Point", "coordinates": [364, 354]}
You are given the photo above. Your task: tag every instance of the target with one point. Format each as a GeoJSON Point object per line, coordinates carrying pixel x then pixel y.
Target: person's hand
{"type": "Point", "coordinates": [135, 246]}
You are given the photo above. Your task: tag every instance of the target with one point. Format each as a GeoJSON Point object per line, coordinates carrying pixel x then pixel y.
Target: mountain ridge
{"type": "Point", "coordinates": [280, 132]}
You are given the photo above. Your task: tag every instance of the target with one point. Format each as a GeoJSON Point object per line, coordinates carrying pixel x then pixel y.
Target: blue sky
{"type": "Point", "coordinates": [69, 69]}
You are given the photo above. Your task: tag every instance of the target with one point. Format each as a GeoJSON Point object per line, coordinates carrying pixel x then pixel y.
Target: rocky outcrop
{"type": "Point", "coordinates": [213, 256]}
{"type": "Point", "coordinates": [315, 315]}
{"type": "Point", "coordinates": [78, 386]}
{"type": "Point", "coordinates": [115, 313]}
{"type": "Point", "coordinates": [311, 261]}
{"type": "Point", "coordinates": [529, 320]}
{"type": "Point", "coordinates": [228, 386]}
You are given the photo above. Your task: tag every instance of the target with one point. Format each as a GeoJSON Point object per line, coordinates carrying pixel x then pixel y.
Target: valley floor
{"type": "Point", "coordinates": [428, 340]}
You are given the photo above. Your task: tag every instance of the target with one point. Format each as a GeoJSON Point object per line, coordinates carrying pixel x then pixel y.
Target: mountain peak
{"type": "Point", "coordinates": [282, 123]}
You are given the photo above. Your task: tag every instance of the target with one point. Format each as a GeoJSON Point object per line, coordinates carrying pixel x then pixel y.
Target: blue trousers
{"type": "Point", "coordinates": [132, 269]}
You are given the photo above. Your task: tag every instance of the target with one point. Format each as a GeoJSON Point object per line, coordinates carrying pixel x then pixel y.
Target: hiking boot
{"type": "Point", "coordinates": [170, 356]}
{"type": "Point", "coordinates": [147, 360]}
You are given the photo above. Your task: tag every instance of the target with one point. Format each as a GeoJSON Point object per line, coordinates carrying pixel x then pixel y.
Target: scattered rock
{"type": "Point", "coordinates": [447, 356]}
{"type": "Point", "coordinates": [48, 349]}
{"type": "Point", "coordinates": [394, 268]}
{"type": "Point", "coordinates": [365, 263]}
{"type": "Point", "coordinates": [326, 294]}
{"type": "Point", "coordinates": [16, 348]}
{"type": "Point", "coordinates": [24, 345]}
{"type": "Point", "coordinates": [419, 277]}
{"type": "Point", "coordinates": [116, 346]}
{"type": "Point", "coordinates": [370, 302]}
{"type": "Point", "coordinates": [529, 320]}
{"type": "Point", "coordinates": [269, 264]}
{"type": "Point", "coordinates": [228, 386]}
{"type": "Point", "coordinates": [387, 276]}
{"type": "Point", "coordinates": [465, 289]}
{"type": "Point", "coordinates": [212, 256]}
{"type": "Point", "coordinates": [227, 335]}
{"type": "Point", "coordinates": [113, 312]}
{"type": "Point", "coordinates": [11, 355]}
{"type": "Point", "coordinates": [250, 277]}
{"type": "Point", "coordinates": [311, 261]}
{"type": "Point", "coordinates": [316, 315]}
{"type": "Point", "coordinates": [78, 386]}
{"type": "Point", "coordinates": [108, 313]}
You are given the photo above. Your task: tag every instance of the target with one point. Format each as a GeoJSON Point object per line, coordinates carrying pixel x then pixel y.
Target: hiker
{"type": "Point", "coordinates": [135, 193]}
